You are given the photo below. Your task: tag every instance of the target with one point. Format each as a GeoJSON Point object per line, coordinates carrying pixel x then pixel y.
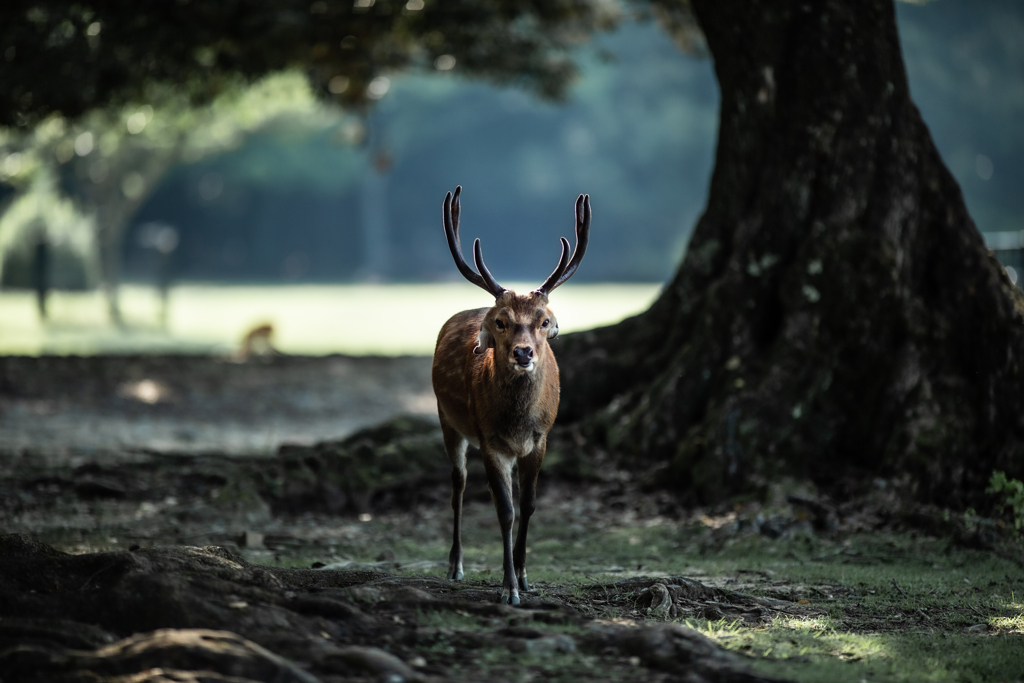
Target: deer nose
{"type": "Point", "coordinates": [523, 355]}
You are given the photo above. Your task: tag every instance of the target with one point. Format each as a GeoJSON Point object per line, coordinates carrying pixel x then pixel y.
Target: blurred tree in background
{"type": "Point", "coordinates": [114, 67]}
{"type": "Point", "coordinates": [294, 206]}
{"type": "Point", "coordinates": [96, 170]}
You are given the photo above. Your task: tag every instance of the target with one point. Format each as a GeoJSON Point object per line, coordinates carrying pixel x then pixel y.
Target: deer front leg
{"type": "Point", "coordinates": [499, 481]}
{"type": "Point", "coordinates": [529, 469]}
{"type": "Point", "coordinates": [455, 444]}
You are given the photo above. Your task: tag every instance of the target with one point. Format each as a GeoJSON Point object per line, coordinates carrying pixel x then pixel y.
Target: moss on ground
{"type": "Point", "coordinates": [885, 605]}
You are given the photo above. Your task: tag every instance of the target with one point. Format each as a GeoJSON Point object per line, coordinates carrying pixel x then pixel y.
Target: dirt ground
{"type": "Point", "coordinates": [69, 407]}
{"type": "Point", "coordinates": [247, 521]}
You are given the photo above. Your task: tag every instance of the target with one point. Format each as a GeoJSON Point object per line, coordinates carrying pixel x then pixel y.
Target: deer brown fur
{"type": "Point", "coordinates": [496, 382]}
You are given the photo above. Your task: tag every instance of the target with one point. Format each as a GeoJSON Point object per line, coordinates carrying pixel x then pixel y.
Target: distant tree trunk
{"type": "Point", "coordinates": [115, 210]}
{"type": "Point", "coordinates": [836, 315]}
{"type": "Point", "coordinates": [110, 223]}
{"type": "Point", "coordinates": [376, 230]}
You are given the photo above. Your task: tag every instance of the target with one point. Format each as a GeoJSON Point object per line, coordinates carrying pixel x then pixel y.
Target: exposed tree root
{"type": "Point", "coordinates": [184, 613]}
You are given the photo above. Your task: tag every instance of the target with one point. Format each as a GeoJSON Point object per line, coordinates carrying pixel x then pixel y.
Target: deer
{"type": "Point", "coordinates": [496, 382]}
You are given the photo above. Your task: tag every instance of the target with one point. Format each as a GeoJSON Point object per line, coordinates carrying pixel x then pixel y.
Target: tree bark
{"type": "Point", "coordinates": [836, 316]}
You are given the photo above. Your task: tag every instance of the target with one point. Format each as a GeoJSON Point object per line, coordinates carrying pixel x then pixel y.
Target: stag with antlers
{"type": "Point", "coordinates": [496, 382]}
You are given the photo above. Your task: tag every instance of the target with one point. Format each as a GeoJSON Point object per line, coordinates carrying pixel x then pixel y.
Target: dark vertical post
{"type": "Point", "coordinates": [41, 274]}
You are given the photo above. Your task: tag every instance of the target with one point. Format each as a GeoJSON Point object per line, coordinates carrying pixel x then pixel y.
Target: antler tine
{"type": "Point", "coordinates": [456, 208]}
{"type": "Point", "coordinates": [450, 217]}
{"type": "Point", "coordinates": [582, 239]}
{"type": "Point", "coordinates": [478, 258]}
{"type": "Point", "coordinates": [563, 260]}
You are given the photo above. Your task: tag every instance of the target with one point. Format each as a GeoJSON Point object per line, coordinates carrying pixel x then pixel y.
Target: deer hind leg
{"type": "Point", "coordinates": [499, 481]}
{"type": "Point", "coordinates": [529, 469]}
{"type": "Point", "coordinates": [455, 444]}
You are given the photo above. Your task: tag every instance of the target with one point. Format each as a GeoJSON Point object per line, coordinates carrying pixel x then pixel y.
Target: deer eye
{"type": "Point", "coordinates": [499, 324]}
{"type": "Point", "coordinates": [545, 323]}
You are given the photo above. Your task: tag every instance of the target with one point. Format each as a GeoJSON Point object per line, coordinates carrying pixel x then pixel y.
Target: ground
{"type": "Point", "coordinates": [326, 558]}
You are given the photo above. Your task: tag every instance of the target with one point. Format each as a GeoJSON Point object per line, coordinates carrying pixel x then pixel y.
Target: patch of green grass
{"type": "Point", "coordinates": [458, 620]}
{"type": "Point", "coordinates": [887, 606]}
{"type": "Point", "coordinates": [558, 667]}
{"type": "Point", "coordinates": [500, 663]}
{"type": "Point", "coordinates": [448, 619]}
{"type": "Point", "coordinates": [815, 650]}
{"type": "Point", "coordinates": [890, 607]}
{"type": "Point", "coordinates": [1009, 493]}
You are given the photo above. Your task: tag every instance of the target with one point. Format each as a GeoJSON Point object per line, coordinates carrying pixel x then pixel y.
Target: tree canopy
{"type": "Point", "coordinates": [67, 58]}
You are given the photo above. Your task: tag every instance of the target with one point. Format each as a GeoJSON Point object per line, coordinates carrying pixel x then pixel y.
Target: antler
{"type": "Point", "coordinates": [566, 267]}
{"type": "Point", "coordinates": [483, 279]}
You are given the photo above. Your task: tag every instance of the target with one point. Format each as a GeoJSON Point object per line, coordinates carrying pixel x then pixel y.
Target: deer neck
{"type": "Point", "coordinates": [519, 386]}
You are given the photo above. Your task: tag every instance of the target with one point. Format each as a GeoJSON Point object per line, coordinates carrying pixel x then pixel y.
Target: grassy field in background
{"type": "Point", "coordinates": [307, 319]}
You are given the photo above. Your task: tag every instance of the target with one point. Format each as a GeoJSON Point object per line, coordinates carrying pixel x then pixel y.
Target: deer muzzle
{"type": "Point", "coordinates": [523, 356]}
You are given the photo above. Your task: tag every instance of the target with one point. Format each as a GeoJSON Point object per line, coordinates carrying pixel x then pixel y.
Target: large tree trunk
{"type": "Point", "coordinates": [837, 314]}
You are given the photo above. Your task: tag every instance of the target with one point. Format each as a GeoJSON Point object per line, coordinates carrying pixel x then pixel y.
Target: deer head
{"type": "Point", "coordinates": [518, 326]}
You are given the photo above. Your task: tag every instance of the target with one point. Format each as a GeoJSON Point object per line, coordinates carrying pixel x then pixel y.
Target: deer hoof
{"type": "Point", "coordinates": [455, 575]}
{"type": "Point", "coordinates": [508, 599]}
{"type": "Point", "coordinates": [524, 587]}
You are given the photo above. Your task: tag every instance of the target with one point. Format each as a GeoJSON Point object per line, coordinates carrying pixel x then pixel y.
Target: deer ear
{"type": "Point", "coordinates": [553, 328]}
{"type": "Point", "coordinates": [484, 341]}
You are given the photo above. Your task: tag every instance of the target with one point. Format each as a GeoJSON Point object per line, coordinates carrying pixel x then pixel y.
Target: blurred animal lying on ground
{"type": "Point", "coordinates": [259, 341]}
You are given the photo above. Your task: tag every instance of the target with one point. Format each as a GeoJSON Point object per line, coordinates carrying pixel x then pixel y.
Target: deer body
{"type": "Point", "coordinates": [488, 402]}
{"type": "Point", "coordinates": [496, 382]}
